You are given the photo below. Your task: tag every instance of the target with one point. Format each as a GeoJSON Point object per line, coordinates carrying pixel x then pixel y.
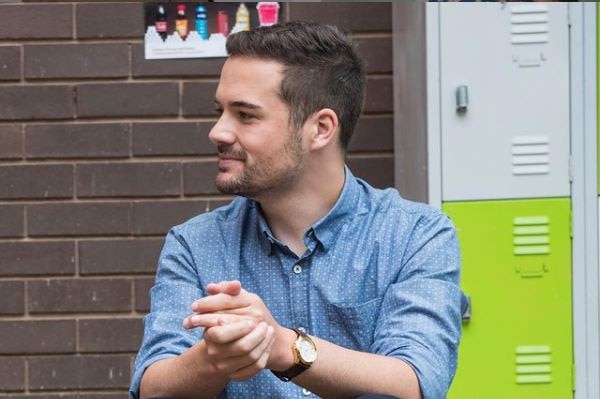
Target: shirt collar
{"type": "Point", "coordinates": [325, 230]}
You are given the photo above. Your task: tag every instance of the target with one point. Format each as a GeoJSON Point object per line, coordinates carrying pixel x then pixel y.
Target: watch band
{"type": "Point", "coordinates": [297, 368]}
{"type": "Point", "coordinates": [290, 373]}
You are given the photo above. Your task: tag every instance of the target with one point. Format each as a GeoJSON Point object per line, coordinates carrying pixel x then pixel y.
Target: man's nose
{"type": "Point", "coordinates": [221, 132]}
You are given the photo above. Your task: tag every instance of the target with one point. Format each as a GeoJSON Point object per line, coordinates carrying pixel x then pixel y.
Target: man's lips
{"type": "Point", "coordinates": [227, 160]}
{"type": "Point", "coordinates": [223, 157]}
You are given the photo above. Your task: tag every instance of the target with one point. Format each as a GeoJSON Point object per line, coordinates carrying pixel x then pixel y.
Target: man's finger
{"type": "Point", "coordinates": [233, 287]}
{"type": "Point", "coordinates": [261, 353]}
{"type": "Point", "coordinates": [228, 333]}
{"type": "Point", "coordinates": [208, 320]}
{"type": "Point", "coordinates": [219, 302]}
{"type": "Point", "coordinates": [242, 352]}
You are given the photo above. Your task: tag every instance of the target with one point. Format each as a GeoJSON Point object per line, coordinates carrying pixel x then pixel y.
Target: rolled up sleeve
{"type": "Point", "coordinates": [176, 287]}
{"type": "Point", "coordinates": [420, 317]}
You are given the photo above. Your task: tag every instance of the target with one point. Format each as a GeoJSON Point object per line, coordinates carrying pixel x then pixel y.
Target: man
{"type": "Point", "coordinates": [367, 280]}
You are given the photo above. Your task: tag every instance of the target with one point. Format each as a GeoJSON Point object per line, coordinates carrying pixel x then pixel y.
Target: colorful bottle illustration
{"type": "Point", "coordinates": [160, 23]}
{"type": "Point", "coordinates": [223, 22]}
{"type": "Point", "coordinates": [181, 23]}
{"type": "Point", "coordinates": [201, 22]}
{"type": "Point", "coordinates": [242, 18]}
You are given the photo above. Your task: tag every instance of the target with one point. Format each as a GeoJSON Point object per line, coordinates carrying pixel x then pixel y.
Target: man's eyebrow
{"type": "Point", "coordinates": [240, 104]}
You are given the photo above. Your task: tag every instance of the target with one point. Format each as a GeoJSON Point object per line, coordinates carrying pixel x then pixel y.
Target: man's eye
{"type": "Point", "coordinates": [244, 116]}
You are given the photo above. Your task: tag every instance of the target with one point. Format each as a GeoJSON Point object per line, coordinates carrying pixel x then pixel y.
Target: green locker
{"type": "Point", "coordinates": [516, 269]}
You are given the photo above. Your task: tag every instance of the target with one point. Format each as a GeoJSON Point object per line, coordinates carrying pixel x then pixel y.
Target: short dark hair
{"type": "Point", "coordinates": [322, 69]}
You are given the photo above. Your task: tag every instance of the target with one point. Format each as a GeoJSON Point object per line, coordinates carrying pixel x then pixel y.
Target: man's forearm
{"type": "Point", "coordinates": [189, 375]}
{"type": "Point", "coordinates": [343, 373]}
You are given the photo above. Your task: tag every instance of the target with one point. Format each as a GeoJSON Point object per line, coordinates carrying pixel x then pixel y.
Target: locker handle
{"type": "Point", "coordinates": [466, 310]}
{"type": "Point", "coordinates": [462, 99]}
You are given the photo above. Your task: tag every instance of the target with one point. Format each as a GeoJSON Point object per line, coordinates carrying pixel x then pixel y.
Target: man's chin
{"type": "Point", "coordinates": [227, 184]}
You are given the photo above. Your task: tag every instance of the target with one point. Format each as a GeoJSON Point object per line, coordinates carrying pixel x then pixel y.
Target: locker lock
{"type": "Point", "coordinates": [462, 99]}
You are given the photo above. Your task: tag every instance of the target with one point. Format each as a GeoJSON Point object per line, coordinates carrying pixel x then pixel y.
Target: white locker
{"type": "Point", "coordinates": [508, 134]}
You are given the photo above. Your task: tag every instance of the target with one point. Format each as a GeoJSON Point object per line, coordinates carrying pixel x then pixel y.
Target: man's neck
{"type": "Point", "coordinates": [290, 214]}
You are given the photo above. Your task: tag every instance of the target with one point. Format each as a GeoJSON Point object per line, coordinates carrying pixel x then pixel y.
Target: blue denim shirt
{"type": "Point", "coordinates": [381, 275]}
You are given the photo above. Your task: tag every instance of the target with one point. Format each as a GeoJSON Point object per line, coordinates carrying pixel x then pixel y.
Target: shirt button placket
{"type": "Point", "coordinates": [299, 282]}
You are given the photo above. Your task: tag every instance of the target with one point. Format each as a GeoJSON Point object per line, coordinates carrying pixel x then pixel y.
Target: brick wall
{"type": "Point", "coordinates": [101, 152]}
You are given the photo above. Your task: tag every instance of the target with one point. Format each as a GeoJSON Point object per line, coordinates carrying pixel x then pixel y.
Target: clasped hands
{"type": "Point", "coordinates": [241, 336]}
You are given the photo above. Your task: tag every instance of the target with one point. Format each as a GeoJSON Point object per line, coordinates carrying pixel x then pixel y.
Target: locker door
{"type": "Point", "coordinates": [516, 258]}
{"type": "Point", "coordinates": [512, 139]}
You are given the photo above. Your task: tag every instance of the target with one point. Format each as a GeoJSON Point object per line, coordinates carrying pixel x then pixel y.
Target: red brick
{"type": "Point", "coordinates": [13, 298]}
{"type": "Point", "coordinates": [45, 395]}
{"type": "Point", "coordinates": [119, 256]}
{"type": "Point", "coordinates": [70, 61]}
{"type": "Point", "coordinates": [109, 20]}
{"type": "Point", "coordinates": [36, 181]}
{"type": "Point", "coordinates": [142, 293]}
{"type": "Point", "coordinates": [82, 140]}
{"type": "Point", "coordinates": [78, 219]}
{"type": "Point", "coordinates": [198, 67]}
{"type": "Point", "coordinates": [174, 138]}
{"type": "Point", "coordinates": [112, 395]}
{"type": "Point", "coordinates": [159, 216]}
{"type": "Point", "coordinates": [199, 177]}
{"type": "Point", "coordinates": [378, 172]}
{"type": "Point", "coordinates": [37, 337]}
{"type": "Point", "coordinates": [11, 137]}
{"type": "Point", "coordinates": [12, 220]}
{"type": "Point", "coordinates": [110, 335]}
{"type": "Point", "coordinates": [373, 134]}
{"type": "Point", "coordinates": [198, 98]}
{"type": "Point", "coordinates": [355, 17]}
{"type": "Point", "coordinates": [37, 258]}
{"type": "Point", "coordinates": [379, 95]}
{"type": "Point", "coordinates": [79, 295]}
{"type": "Point", "coordinates": [128, 99]}
{"type": "Point", "coordinates": [12, 373]}
{"type": "Point", "coordinates": [79, 372]}
{"type": "Point", "coordinates": [36, 21]}
{"type": "Point", "coordinates": [155, 179]}
{"type": "Point", "coordinates": [10, 62]}
{"type": "Point", "coordinates": [376, 53]}
{"type": "Point", "coordinates": [36, 102]}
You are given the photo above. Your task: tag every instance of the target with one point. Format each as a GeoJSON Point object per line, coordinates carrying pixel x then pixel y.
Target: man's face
{"type": "Point", "coordinates": [259, 153]}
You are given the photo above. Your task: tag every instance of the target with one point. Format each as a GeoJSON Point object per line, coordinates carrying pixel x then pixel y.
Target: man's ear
{"type": "Point", "coordinates": [324, 128]}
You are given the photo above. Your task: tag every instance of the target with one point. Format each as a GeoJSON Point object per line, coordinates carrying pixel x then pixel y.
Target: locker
{"type": "Point", "coordinates": [516, 269]}
{"type": "Point", "coordinates": [504, 100]}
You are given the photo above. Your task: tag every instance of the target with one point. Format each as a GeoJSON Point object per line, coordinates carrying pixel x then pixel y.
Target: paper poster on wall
{"type": "Point", "coordinates": [200, 30]}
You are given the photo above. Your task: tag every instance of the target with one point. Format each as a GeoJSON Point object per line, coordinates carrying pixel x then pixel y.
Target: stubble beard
{"type": "Point", "coordinates": [263, 178]}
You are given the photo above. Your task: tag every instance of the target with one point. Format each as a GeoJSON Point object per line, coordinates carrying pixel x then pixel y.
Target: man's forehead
{"type": "Point", "coordinates": [249, 79]}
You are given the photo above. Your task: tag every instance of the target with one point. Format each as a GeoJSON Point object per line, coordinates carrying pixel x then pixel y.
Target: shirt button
{"type": "Point", "coordinates": [297, 269]}
{"type": "Point", "coordinates": [302, 329]}
{"type": "Point", "coordinates": [306, 392]}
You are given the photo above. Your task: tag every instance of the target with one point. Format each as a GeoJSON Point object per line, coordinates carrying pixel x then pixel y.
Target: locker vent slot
{"type": "Point", "coordinates": [533, 364]}
{"type": "Point", "coordinates": [530, 155]}
{"type": "Point", "coordinates": [531, 235]}
{"type": "Point", "coordinates": [529, 23]}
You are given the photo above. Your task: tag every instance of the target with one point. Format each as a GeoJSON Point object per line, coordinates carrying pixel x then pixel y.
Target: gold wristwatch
{"type": "Point", "coordinates": [305, 354]}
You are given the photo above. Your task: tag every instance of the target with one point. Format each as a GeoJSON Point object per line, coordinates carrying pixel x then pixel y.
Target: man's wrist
{"type": "Point", "coordinates": [282, 357]}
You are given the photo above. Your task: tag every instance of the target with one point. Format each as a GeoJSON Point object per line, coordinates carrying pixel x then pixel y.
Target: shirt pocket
{"type": "Point", "coordinates": [352, 326]}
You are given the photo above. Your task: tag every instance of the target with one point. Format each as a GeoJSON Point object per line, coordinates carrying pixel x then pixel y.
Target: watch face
{"type": "Point", "coordinates": [307, 350]}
